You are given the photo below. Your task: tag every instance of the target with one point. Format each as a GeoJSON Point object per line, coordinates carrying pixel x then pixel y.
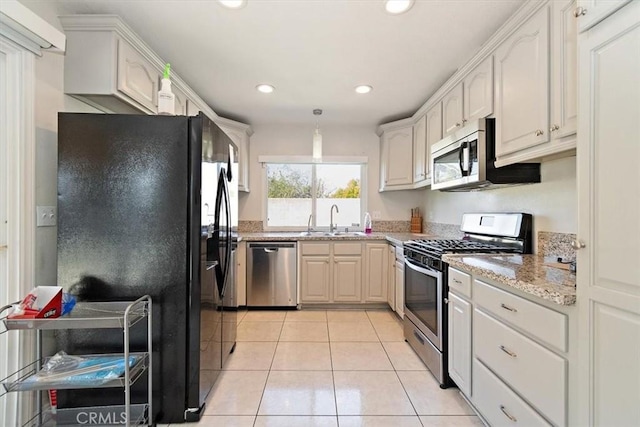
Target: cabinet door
{"type": "Point", "coordinates": [434, 131]}
{"type": "Point", "coordinates": [181, 101]}
{"type": "Point", "coordinates": [241, 273]}
{"type": "Point", "coordinates": [452, 111]}
{"type": "Point", "coordinates": [240, 139]}
{"type": "Point", "coordinates": [594, 11]}
{"type": "Point", "coordinates": [398, 156]}
{"type": "Point", "coordinates": [478, 92]}
{"type": "Point", "coordinates": [375, 283]}
{"type": "Point", "coordinates": [609, 208]}
{"type": "Point", "coordinates": [522, 86]}
{"type": "Point", "coordinates": [460, 343]}
{"type": "Point", "coordinates": [347, 279]}
{"type": "Point", "coordinates": [136, 77]}
{"type": "Point", "coordinates": [391, 278]}
{"type": "Point", "coordinates": [420, 150]}
{"type": "Point", "coordinates": [564, 79]}
{"type": "Point", "coordinates": [400, 289]}
{"type": "Point", "coordinates": [315, 279]}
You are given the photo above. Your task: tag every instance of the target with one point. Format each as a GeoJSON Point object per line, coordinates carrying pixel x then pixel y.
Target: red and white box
{"type": "Point", "coordinates": [43, 302]}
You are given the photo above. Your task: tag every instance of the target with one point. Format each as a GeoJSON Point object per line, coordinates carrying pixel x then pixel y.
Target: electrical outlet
{"type": "Point", "coordinates": [377, 215]}
{"type": "Point", "coordinates": [46, 216]}
{"type": "Point", "coordinates": [430, 216]}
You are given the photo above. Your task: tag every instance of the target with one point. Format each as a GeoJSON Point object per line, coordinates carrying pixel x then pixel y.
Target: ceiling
{"type": "Point", "coordinates": [313, 51]}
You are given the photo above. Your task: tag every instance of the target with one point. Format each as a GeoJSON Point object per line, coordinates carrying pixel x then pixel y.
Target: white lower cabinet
{"type": "Point", "coordinates": [391, 277]}
{"type": "Point", "coordinates": [498, 404]}
{"type": "Point", "coordinates": [536, 373]}
{"type": "Point", "coordinates": [400, 288]}
{"type": "Point", "coordinates": [504, 353]}
{"type": "Point", "coordinates": [347, 278]}
{"type": "Point", "coordinates": [332, 272]}
{"type": "Point", "coordinates": [459, 350]}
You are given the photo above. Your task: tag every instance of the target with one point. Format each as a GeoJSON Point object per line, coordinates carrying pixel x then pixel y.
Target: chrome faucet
{"type": "Point", "coordinates": [332, 226]}
{"type": "Point", "coordinates": [309, 224]}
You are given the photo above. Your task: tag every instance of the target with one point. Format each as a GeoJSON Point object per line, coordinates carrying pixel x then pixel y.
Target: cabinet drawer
{"type": "Point", "coordinates": [347, 248]}
{"type": "Point", "coordinates": [498, 404]}
{"type": "Point", "coordinates": [541, 322]}
{"type": "Point", "coordinates": [315, 249]}
{"type": "Point", "coordinates": [460, 282]}
{"type": "Point", "coordinates": [534, 372]}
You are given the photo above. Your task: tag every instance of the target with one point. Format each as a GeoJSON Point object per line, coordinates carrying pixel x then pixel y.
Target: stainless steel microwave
{"type": "Point", "coordinates": [465, 161]}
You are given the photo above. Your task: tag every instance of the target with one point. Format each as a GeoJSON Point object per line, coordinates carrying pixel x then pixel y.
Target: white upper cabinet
{"type": "Point", "coordinates": [470, 100]}
{"type": "Point", "coordinates": [180, 102]}
{"type": "Point", "coordinates": [478, 92]}
{"type": "Point", "coordinates": [590, 12]}
{"type": "Point", "coordinates": [420, 150]}
{"type": "Point", "coordinates": [452, 110]}
{"type": "Point", "coordinates": [397, 157]}
{"type": "Point", "coordinates": [137, 77]}
{"type": "Point", "coordinates": [434, 131]}
{"type": "Point", "coordinates": [239, 134]}
{"type": "Point", "coordinates": [522, 86]}
{"type": "Point", "coordinates": [564, 78]}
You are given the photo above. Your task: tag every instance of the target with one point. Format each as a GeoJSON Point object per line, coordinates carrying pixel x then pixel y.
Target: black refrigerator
{"type": "Point", "coordinates": [148, 205]}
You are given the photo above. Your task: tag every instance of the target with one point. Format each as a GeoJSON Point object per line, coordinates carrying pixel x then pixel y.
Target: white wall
{"type": "Point", "coordinates": [553, 202]}
{"type": "Point", "coordinates": [295, 140]}
{"type": "Point", "coordinates": [50, 100]}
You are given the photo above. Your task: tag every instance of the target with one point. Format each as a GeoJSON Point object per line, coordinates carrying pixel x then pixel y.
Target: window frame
{"type": "Point", "coordinates": [307, 160]}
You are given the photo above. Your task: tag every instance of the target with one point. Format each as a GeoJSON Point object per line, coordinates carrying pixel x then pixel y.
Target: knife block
{"type": "Point", "coordinates": [416, 224]}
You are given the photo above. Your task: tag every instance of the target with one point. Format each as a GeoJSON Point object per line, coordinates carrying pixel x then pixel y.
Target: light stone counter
{"type": "Point", "coordinates": [526, 273]}
{"type": "Point", "coordinates": [392, 237]}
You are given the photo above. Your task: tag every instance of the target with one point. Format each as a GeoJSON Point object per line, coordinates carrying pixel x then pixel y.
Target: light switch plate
{"type": "Point", "coordinates": [46, 216]}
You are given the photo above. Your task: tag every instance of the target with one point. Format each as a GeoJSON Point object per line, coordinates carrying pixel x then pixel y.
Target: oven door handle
{"type": "Point", "coordinates": [428, 272]}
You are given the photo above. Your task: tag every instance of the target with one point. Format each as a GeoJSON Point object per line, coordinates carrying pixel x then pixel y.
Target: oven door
{"type": "Point", "coordinates": [423, 301]}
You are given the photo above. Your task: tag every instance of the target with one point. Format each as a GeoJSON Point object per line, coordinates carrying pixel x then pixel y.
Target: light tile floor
{"type": "Point", "coordinates": [344, 368]}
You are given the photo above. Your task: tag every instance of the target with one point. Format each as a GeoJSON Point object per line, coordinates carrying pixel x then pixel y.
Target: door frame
{"type": "Point", "coordinates": [17, 141]}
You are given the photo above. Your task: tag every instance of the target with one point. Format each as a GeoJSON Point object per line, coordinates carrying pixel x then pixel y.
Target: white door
{"type": "Point", "coordinates": [460, 343]}
{"type": "Point", "coordinates": [434, 131]}
{"type": "Point", "coordinates": [420, 150]}
{"type": "Point", "coordinates": [452, 112]}
{"type": "Point", "coordinates": [478, 91]}
{"type": "Point", "coordinates": [609, 206]}
{"type": "Point", "coordinates": [399, 156]}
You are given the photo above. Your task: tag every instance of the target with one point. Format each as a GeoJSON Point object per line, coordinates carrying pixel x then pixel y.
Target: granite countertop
{"type": "Point", "coordinates": [392, 237]}
{"type": "Point", "coordinates": [526, 273]}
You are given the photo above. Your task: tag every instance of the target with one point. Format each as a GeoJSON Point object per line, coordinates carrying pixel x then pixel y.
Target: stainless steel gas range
{"type": "Point", "coordinates": [425, 279]}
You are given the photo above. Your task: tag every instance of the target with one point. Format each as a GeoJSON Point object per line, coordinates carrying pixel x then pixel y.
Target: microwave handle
{"type": "Point", "coordinates": [464, 158]}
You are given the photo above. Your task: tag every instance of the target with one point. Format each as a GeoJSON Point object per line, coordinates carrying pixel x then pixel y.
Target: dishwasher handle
{"type": "Point", "coordinates": [272, 245]}
{"type": "Point", "coordinates": [270, 250]}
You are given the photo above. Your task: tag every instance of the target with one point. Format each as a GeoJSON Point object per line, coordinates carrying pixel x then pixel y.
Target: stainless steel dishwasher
{"type": "Point", "coordinates": [272, 274]}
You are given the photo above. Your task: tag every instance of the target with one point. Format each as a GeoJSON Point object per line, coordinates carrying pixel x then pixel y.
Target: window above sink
{"type": "Point", "coordinates": [296, 190]}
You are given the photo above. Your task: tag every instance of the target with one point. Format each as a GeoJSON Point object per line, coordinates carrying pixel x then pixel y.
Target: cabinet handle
{"type": "Point", "coordinates": [458, 125]}
{"type": "Point", "coordinates": [464, 121]}
{"type": "Point", "coordinates": [539, 132]}
{"type": "Point", "coordinates": [580, 11]}
{"type": "Point", "coordinates": [508, 415]}
{"type": "Point", "coordinates": [506, 307]}
{"type": "Point", "coordinates": [457, 281]}
{"type": "Point", "coordinates": [554, 128]}
{"type": "Point", "coordinates": [578, 244]}
{"type": "Point", "coordinates": [509, 352]}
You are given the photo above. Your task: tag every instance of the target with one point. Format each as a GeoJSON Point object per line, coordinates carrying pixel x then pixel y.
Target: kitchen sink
{"type": "Point", "coordinates": [332, 234]}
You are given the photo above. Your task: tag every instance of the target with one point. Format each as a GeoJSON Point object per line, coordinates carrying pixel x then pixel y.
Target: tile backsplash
{"type": "Point", "coordinates": [378, 226]}
{"type": "Point", "coordinates": [445, 231]}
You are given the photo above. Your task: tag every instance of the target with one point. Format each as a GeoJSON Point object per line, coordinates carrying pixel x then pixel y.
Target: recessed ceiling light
{"type": "Point", "coordinates": [233, 4]}
{"type": "Point", "coordinates": [264, 88]}
{"type": "Point", "coordinates": [363, 89]}
{"type": "Point", "coordinates": [396, 7]}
